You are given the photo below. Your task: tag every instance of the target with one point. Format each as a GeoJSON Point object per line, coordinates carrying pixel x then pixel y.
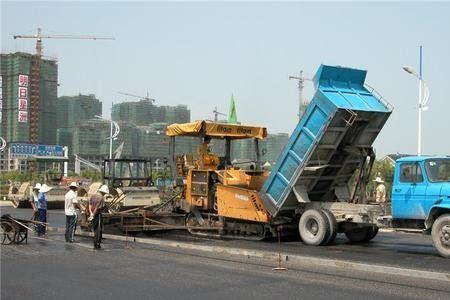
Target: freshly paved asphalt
{"type": "Point", "coordinates": [405, 250]}
{"type": "Point", "coordinates": [52, 269]}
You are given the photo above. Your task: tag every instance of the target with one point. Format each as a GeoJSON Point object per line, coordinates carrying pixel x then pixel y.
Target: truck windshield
{"type": "Point", "coordinates": [438, 170]}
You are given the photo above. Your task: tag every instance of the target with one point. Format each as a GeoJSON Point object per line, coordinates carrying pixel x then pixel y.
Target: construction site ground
{"type": "Point", "coordinates": [52, 269]}
{"type": "Point", "coordinates": [394, 249]}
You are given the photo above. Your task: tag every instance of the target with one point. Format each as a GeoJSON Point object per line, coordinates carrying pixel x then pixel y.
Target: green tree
{"type": "Point", "coordinates": [91, 174]}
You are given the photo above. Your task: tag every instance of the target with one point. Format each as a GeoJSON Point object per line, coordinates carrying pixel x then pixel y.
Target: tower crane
{"type": "Point", "coordinates": [35, 75]}
{"type": "Point", "coordinates": [146, 97]}
{"type": "Point", "coordinates": [217, 113]}
{"type": "Point", "coordinates": [39, 38]}
{"type": "Point", "coordinates": [302, 103]}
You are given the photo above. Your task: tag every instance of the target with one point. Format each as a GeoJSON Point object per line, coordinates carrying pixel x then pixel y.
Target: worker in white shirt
{"type": "Point", "coordinates": [34, 199]}
{"type": "Point", "coordinates": [70, 207]}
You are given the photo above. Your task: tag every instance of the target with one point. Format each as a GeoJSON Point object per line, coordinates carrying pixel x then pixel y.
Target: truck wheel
{"type": "Point", "coordinates": [371, 233]}
{"type": "Point", "coordinates": [440, 232]}
{"type": "Point", "coordinates": [332, 225]}
{"type": "Point", "coordinates": [357, 235]}
{"type": "Point", "coordinates": [313, 227]}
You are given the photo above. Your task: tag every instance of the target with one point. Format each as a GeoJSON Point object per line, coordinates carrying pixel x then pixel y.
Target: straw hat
{"type": "Point", "coordinates": [44, 188]}
{"type": "Point", "coordinates": [104, 189]}
{"type": "Point", "coordinates": [73, 184]}
{"type": "Point", "coordinates": [378, 180]}
{"type": "Point", "coordinates": [37, 186]}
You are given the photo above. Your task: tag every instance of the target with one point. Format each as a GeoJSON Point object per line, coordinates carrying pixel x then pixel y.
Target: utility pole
{"type": "Point", "coordinates": [302, 103]}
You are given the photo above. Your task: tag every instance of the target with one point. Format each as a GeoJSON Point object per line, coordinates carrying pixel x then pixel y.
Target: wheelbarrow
{"type": "Point", "coordinates": [14, 230]}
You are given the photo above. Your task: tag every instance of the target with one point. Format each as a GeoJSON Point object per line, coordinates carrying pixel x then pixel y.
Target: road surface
{"type": "Point", "coordinates": [52, 269]}
{"type": "Point", "coordinates": [404, 250]}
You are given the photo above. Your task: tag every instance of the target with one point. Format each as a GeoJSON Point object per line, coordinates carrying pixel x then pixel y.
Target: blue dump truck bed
{"type": "Point", "coordinates": [337, 130]}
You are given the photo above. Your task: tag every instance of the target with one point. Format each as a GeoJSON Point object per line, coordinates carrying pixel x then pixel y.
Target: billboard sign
{"type": "Point", "coordinates": [23, 80]}
{"type": "Point", "coordinates": [23, 116]}
{"type": "Point", "coordinates": [24, 150]}
{"type": "Point", "coordinates": [23, 99]}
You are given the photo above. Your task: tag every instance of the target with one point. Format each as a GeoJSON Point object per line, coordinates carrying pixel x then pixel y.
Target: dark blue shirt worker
{"type": "Point", "coordinates": [42, 209]}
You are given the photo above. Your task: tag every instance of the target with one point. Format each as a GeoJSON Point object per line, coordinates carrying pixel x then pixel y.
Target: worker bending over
{"type": "Point", "coordinates": [96, 205]}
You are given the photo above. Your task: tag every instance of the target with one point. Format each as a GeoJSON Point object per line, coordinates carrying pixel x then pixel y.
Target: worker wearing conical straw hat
{"type": "Point", "coordinates": [96, 205]}
{"type": "Point", "coordinates": [34, 193]}
{"type": "Point", "coordinates": [42, 209]}
{"type": "Point", "coordinates": [380, 190]}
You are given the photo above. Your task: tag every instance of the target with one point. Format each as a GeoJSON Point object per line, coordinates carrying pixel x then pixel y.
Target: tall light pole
{"type": "Point", "coordinates": [114, 131]}
{"type": "Point", "coordinates": [2, 144]}
{"type": "Point", "coordinates": [424, 96]}
{"type": "Point", "coordinates": [301, 101]}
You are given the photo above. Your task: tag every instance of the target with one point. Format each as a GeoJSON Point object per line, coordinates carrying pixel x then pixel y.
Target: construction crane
{"type": "Point", "coordinates": [302, 103]}
{"type": "Point", "coordinates": [39, 38]}
{"type": "Point", "coordinates": [147, 97]}
{"type": "Point", "coordinates": [217, 113]}
{"type": "Point", "coordinates": [35, 75]}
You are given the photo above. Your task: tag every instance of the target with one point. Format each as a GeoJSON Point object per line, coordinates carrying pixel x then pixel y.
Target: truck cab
{"type": "Point", "coordinates": [421, 197]}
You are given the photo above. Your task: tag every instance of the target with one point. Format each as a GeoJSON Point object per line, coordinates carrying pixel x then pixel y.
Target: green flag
{"type": "Point", "coordinates": [232, 117]}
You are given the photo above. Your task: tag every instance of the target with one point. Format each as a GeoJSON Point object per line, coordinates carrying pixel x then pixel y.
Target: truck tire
{"type": "Point", "coordinates": [332, 225]}
{"type": "Point", "coordinates": [440, 232]}
{"type": "Point", "coordinates": [357, 235]}
{"type": "Point", "coordinates": [313, 227]}
{"type": "Point", "coordinates": [372, 232]}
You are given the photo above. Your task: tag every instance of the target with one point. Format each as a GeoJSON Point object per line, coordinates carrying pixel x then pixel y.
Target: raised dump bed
{"type": "Point", "coordinates": [329, 143]}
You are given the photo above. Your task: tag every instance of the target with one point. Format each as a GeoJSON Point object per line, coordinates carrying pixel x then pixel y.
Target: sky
{"type": "Point", "coordinates": [199, 53]}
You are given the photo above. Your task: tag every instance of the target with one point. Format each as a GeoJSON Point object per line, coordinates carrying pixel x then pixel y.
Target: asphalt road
{"type": "Point", "coordinates": [405, 250]}
{"type": "Point", "coordinates": [52, 269]}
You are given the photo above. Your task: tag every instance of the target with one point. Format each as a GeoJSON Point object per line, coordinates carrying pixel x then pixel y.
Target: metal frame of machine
{"type": "Point", "coordinates": [308, 189]}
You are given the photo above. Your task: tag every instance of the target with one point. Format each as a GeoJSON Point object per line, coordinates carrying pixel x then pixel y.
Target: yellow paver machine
{"type": "Point", "coordinates": [218, 193]}
{"type": "Point", "coordinates": [213, 196]}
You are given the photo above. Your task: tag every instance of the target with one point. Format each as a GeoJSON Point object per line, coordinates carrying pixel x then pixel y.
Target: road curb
{"type": "Point", "coordinates": [294, 260]}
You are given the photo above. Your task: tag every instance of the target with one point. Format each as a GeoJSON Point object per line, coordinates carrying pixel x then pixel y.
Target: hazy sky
{"type": "Point", "coordinates": [199, 53]}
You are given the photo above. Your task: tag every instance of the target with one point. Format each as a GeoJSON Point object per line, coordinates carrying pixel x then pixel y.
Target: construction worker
{"type": "Point", "coordinates": [42, 209]}
{"type": "Point", "coordinates": [70, 207]}
{"type": "Point", "coordinates": [96, 204]}
{"type": "Point", "coordinates": [380, 191]}
{"type": "Point", "coordinates": [34, 199]}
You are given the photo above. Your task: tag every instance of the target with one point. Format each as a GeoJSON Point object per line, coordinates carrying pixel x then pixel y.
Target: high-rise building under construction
{"type": "Point", "coordinates": [144, 113]}
{"type": "Point", "coordinates": [72, 111]}
{"type": "Point", "coordinates": [28, 98]}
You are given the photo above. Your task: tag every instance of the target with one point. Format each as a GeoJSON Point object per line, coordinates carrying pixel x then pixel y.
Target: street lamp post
{"type": "Point", "coordinates": [114, 131]}
{"type": "Point", "coordinates": [424, 95]}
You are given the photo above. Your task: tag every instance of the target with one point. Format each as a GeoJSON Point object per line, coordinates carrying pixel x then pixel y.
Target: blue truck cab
{"type": "Point", "coordinates": [421, 197]}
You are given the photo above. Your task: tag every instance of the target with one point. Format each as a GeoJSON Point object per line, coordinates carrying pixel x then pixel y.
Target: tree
{"type": "Point", "coordinates": [91, 174]}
